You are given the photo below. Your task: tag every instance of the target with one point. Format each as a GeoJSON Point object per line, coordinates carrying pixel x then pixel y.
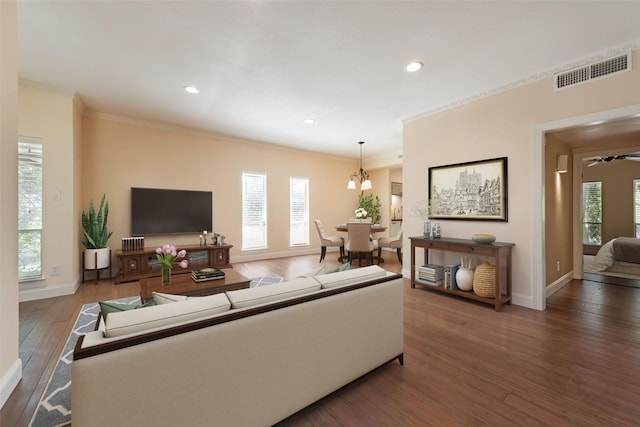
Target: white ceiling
{"type": "Point", "coordinates": [264, 66]}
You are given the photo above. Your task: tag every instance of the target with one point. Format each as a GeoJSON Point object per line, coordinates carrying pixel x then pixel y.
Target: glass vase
{"type": "Point", "coordinates": [426, 229]}
{"type": "Point", "coordinates": [166, 275]}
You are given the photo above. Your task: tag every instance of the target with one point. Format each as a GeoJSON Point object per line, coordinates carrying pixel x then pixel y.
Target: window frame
{"type": "Point", "coordinates": [250, 220]}
{"type": "Point", "coordinates": [587, 225]}
{"type": "Point", "coordinates": [25, 147]}
{"type": "Point", "coordinates": [299, 226]}
{"type": "Point", "coordinates": [636, 207]}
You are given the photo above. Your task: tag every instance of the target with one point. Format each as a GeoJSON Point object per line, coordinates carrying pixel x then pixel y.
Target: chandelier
{"type": "Point", "coordinates": [365, 184]}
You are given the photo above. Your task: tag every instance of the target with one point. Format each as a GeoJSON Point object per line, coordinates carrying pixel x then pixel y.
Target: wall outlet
{"type": "Point", "coordinates": [558, 265]}
{"type": "Point", "coordinates": [55, 270]}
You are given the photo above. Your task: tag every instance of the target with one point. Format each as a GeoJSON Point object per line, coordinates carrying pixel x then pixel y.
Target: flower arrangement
{"type": "Point", "coordinates": [371, 205]}
{"type": "Point", "coordinates": [168, 255]}
{"type": "Point", "coordinates": [360, 213]}
{"type": "Point", "coordinates": [422, 208]}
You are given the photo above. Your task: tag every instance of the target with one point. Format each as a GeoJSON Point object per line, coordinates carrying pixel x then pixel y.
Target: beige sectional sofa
{"type": "Point", "coordinates": [250, 357]}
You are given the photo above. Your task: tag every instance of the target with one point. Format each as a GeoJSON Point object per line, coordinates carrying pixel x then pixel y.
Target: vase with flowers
{"type": "Point", "coordinates": [168, 256]}
{"type": "Point", "coordinates": [361, 213]}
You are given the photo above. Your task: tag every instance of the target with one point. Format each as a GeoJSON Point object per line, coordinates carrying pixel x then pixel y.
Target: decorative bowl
{"type": "Point", "coordinates": [486, 239]}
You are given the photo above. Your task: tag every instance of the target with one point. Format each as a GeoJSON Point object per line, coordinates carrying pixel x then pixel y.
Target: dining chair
{"type": "Point", "coordinates": [359, 241]}
{"type": "Point", "coordinates": [328, 241]}
{"type": "Point", "coordinates": [394, 242]}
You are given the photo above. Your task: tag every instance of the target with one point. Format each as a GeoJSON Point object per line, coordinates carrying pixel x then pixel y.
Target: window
{"type": "Point", "coordinates": [592, 213]}
{"type": "Point", "coordinates": [636, 206]}
{"type": "Point", "coordinates": [254, 210]}
{"type": "Point", "coordinates": [298, 211]}
{"type": "Point", "coordinates": [29, 208]}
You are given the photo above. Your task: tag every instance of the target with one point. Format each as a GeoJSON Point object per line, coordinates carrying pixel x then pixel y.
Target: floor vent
{"type": "Point", "coordinates": [593, 71]}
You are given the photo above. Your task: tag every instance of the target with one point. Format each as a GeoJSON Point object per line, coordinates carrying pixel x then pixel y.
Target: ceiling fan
{"type": "Point", "coordinates": [607, 159]}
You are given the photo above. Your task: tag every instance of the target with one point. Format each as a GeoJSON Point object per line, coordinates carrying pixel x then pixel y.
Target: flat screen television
{"type": "Point", "coordinates": [159, 211]}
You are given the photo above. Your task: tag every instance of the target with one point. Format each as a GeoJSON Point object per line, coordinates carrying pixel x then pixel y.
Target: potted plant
{"type": "Point", "coordinates": [96, 235]}
{"type": "Point", "coordinates": [370, 204]}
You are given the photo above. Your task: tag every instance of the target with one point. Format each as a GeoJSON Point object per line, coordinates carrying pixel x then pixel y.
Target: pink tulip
{"type": "Point", "coordinates": [184, 263]}
{"type": "Point", "coordinates": [182, 254]}
{"type": "Point", "coordinates": [158, 250]}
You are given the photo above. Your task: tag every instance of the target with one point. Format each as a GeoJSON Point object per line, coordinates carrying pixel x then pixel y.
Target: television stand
{"type": "Point", "coordinates": [136, 265]}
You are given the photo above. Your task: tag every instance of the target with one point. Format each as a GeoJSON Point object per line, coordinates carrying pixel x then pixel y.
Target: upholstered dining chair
{"type": "Point", "coordinates": [394, 242]}
{"type": "Point", "coordinates": [359, 240]}
{"type": "Point", "coordinates": [328, 241]}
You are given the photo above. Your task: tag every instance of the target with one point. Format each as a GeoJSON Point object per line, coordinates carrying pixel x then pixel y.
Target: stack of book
{"type": "Point", "coordinates": [204, 274]}
{"type": "Point", "coordinates": [431, 273]}
{"type": "Point", "coordinates": [450, 276]}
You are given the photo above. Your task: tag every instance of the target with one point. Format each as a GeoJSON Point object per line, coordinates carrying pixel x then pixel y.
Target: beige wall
{"type": "Point", "coordinates": [118, 154]}
{"type": "Point", "coordinates": [617, 195]}
{"type": "Point", "coordinates": [10, 365]}
{"type": "Point", "coordinates": [53, 118]}
{"type": "Point", "coordinates": [558, 212]}
{"type": "Point", "coordinates": [504, 125]}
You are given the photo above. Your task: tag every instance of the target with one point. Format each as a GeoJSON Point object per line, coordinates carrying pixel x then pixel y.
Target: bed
{"type": "Point", "coordinates": [618, 257]}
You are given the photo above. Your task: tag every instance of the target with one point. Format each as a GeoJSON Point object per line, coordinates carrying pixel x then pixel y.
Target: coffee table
{"type": "Point", "coordinates": [182, 284]}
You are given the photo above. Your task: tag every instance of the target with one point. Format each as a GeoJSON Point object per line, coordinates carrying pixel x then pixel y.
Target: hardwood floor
{"type": "Point", "coordinates": [575, 364]}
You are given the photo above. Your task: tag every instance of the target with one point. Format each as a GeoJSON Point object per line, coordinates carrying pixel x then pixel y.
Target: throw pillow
{"type": "Point", "coordinates": [266, 280]}
{"type": "Point", "coordinates": [604, 258]}
{"type": "Point", "coordinates": [160, 298]}
{"type": "Point", "coordinates": [343, 267]}
{"type": "Point", "coordinates": [107, 307]}
{"type": "Point", "coordinates": [314, 272]}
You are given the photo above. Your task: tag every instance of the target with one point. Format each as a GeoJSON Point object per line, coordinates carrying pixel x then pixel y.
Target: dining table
{"type": "Point", "coordinates": [375, 228]}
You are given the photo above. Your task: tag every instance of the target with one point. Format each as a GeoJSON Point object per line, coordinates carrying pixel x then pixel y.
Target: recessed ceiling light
{"type": "Point", "coordinates": [414, 66]}
{"type": "Point", "coordinates": [191, 89]}
{"type": "Point", "coordinates": [309, 121]}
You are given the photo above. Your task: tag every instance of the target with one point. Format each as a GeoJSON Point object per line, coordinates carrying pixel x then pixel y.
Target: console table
{"type": "Point", "coordinates": [136, 265]}
{"type": "Point", "coordinates": [501, 253]}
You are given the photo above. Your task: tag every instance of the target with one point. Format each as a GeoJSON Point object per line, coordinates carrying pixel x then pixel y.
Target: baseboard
{"type": "Point", "coordinates": [259, 255]}
{"type": "Point", "coordinates": [558, 284]}
{"type": "Point", "coordinates": [523, 301]}
{"type": "Point", "coordinates": [9, 381]}
{"type": "Point", "coordinates": [47, 292]}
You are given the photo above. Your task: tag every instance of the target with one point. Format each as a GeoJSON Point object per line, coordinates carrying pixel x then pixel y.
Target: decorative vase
{"type": "Point", "coordinates": [437, 230]}
{"type": "Point", "coordinates": [464, 279]}
{"type": "Point", "coordinates": [166, 275]}
{"type": "Point", "coordinates": [426, 229]}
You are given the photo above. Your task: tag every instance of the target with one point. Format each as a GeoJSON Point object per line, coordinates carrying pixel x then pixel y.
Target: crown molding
{"type": "Point", "coordinates": [630, 47]}
{"type": "Point", "coordinates": [30, 84]}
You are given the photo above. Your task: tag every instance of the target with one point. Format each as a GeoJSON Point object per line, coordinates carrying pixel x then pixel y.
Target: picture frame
{"type": "Point", "coordinates": [469, 191]}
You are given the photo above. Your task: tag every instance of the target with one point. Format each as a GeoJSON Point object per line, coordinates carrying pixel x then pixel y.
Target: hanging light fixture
{"type": "Point", "coordinates": [365, 184]}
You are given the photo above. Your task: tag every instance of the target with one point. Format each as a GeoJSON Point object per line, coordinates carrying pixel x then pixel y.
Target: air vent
{"type": "Point", "coordinates": [593, 71]}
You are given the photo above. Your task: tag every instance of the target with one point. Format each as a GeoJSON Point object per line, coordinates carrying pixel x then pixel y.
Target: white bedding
{"type": "Point", "coordinates": [605, 263]}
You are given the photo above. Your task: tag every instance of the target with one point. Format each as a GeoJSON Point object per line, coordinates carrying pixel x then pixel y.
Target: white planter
{"type": "Point", "coordinates": [464, 279]}
{"type": "Point", "coordinates": [90, 258]}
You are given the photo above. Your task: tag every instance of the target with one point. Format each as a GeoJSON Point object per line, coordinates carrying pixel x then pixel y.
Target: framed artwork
{"type": "Point", "coordinates": [469, 191]}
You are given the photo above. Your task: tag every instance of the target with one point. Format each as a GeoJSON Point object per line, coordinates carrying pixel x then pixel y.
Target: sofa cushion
{"type": "Point", "coordinates": [349, 277]}
{"type": "Point", "coordinates": [165, 315]}
{"type": "Point", "coordinates": [161, 298]}
{"type": "Point", "coordinates": [107, 307]}
{"type": "Point", "coordinates": [243, 298]}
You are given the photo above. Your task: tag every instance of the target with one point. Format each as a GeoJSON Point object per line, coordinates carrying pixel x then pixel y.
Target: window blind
{"type": "Point", "coordinates": [29, 208]}
{"type": "Point", "coordinates": [298, 211]}
{"type": "Point", "coordinates": [254, 210]}
{"type": "Point", "coordinates": [636, 206]}
{"type": "Point", "coordinates": [592, 213]}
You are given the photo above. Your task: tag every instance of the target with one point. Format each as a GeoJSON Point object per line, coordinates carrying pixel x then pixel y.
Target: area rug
{"type": "Point", "coordinates": [54, 408]}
